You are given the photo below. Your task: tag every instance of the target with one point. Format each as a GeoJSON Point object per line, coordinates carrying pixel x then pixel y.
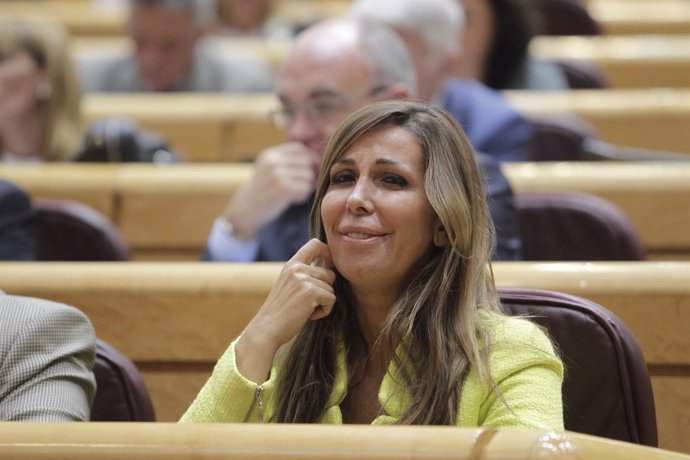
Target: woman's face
{"type": "Point", "coordinates": [19, 78]}
{"type": "Point", "coordinates": [378, 220]}
{"type": "Point", "coordinates": [477, 37]}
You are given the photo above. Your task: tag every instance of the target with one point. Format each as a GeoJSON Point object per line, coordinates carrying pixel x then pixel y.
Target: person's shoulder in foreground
{"type": "Point", "coordinates": [524, 366]}
{"type": "Point", "coordinates": [528, 374]}
{"type": "Point", "coordinates": [17, 238]}
{"type": "Point", "coordinates": [494, 127]}
{"type": "Point", "coordinates": [47, 353]}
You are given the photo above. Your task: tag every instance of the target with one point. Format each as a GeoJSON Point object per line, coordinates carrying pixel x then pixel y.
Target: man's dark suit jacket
{"type": "Point", "coordinates": [17, 234]}
{"type": "Point", "coordinates": [492, 126]}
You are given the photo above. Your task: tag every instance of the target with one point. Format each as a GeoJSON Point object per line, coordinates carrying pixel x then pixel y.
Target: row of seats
{"type": "Point", "coordinates": [145, 201]}
{"type": "Point", "coordinates": [236, 127]}
{"type": "Point", "coordinates": [589, 62]}
{"type": "Point", "coordinates": [552, 227]}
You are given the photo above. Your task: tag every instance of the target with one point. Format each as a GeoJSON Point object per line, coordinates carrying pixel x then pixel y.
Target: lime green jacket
{"type": "Point", "coordinates": [523, 363]}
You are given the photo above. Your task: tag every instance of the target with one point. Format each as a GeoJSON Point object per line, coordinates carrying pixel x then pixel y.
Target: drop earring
{"type": "Point", "coordinates": [43, 91]}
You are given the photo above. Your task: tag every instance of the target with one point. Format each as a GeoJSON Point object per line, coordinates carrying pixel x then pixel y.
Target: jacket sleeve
{"type": "Point", "coordinates": [47, 372]}
{"type": "Point", "coordinates": [228, 397]}
{"type": "Point", "coordinates": [17, 221]}
{"type": "Point", "coordinates": [529, 377]}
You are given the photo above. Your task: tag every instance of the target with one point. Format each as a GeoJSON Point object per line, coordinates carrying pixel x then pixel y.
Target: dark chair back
{"type": "Point", "coordinates": [565, 17]}
{"type": "Point", "coordinates": [607, 391]}
{"type": "Point", "coordinates": [560, 137]}
{"type": "Point", "coordinates": [71, 231]}
{"type": "Point", "coordinates": [583, 75]}
{"type": "Point", "coordinates": [121, 395]}
{"type": "Point", "coordinates": [575, 226]}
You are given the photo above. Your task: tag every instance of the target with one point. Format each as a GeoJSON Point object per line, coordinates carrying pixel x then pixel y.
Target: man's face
{"type": "Point", "coordinates": [318, 90]}
{"type": "Point", "coordinates": [164, 42]}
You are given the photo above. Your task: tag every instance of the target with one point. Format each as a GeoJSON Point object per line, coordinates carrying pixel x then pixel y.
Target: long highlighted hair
{"type": "Point", "coordinates": [434, 326]}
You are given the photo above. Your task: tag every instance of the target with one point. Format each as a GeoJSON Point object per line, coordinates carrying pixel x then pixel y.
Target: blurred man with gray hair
{"type": "Point", "coordinates": [171, 54]}
{"type": "Point", "coordinates": [431, 30]}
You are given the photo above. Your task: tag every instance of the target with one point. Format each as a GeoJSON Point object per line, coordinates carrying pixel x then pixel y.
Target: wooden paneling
{"type": "Point", "coordinates": [638, 61]}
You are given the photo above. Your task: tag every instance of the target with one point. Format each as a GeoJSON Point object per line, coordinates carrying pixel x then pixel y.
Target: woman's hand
{"type": "Point", "coordinates": [302, 292]}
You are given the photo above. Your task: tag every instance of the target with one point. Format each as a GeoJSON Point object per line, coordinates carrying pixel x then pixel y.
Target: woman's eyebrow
{"type": "Point", "coordinates": [389, 162]}
{"type": "Point", "coordinates": [344, 161]}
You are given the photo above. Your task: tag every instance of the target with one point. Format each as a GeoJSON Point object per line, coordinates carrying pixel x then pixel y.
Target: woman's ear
{"type": "Point", "coordinates": [440, 235]}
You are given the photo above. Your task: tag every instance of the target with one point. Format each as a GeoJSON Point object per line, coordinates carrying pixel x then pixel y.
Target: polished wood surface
{"type": "Point", "coordinates": [621, 17]}
{"type": "Point", "coordinates": [80, 18]}
{"type": "Point", "coordinates": [639, 61]}
{"type": "Point", "coordinates": [24, 441]}
{"type": "Point", "coordinates": [207, 127]}
{"type": "Point", "coordinates": [657, 119]}
{"type": "Point", "coordinates": [624, 17]}
{"type": "Point", "coordinates": [175, 319]}
{"type": "Point", "coordinates": [203, 127]}
{"type": "Point", "coordinates": [166, 212]}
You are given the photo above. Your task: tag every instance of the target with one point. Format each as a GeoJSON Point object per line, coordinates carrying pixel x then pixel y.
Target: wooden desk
{"type": "Point", "coordinates": [80, 18]}
{"type": "Point", "coordinates": [166, 212]}
{"type": "Point", "coordinates": [624, 17]}
{"type": "Point", "coordinates": [139, 441]}
{"type": "Point", "coordinates": [640, 61]}
{"type": "Point", "coordinates": [204, 127]}
{"type": "Point", "coordinates": [209, 127]}
{"type": "Point", "coordinates": [621, 17]}
{"type": "Point", "coordinates": [657, 119]}
{"type": "Point", "coordinates": [144, 308]}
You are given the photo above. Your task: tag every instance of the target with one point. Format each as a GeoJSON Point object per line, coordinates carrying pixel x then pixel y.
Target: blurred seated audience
{"type": "Point", "coordinates": [47, 353]}
{"type": "Point", "coordinates": [40, 108]}
{"type": "Point", "coordinates": [495, 47]}
{"type": "Point", "coordinates": [334, 68]}
{"type": "Point", "coordinates": [40, 112]}
{"type": "Point", "coordinates": [17, 224]}
{"type": "Point", "coordinates": [171, 54]}
{"type": "Point", "coordinates": [431, 29]}
{"type": "Point", "coordinates": [250, 19]}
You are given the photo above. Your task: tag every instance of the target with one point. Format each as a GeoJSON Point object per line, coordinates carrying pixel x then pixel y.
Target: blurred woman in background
{"type": "Point", "coordinates": [39, 93]}
{"type": "Point", "coordinates": [495, 42]}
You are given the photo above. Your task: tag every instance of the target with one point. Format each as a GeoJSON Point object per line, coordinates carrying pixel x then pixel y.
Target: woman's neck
{"type": "Point", "coordinates": [373, 307]}
{"type": "Point", "coordinates": [23, 138]}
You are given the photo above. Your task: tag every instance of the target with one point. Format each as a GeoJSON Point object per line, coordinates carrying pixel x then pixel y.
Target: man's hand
{"type": "Point", "coordinates": [284, 175]}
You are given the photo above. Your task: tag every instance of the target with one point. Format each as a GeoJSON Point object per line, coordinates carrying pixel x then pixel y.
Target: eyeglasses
{"type": "Point", "coordinates": [324, 107]}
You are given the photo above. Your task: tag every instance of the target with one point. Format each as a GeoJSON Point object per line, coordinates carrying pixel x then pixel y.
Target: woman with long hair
{"type": "Point", "coordinates": [390, 315]}
{"type": "Point", "coordinates": [39, 93]}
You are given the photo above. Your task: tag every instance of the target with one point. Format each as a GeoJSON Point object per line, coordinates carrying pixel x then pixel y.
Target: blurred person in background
{"type": "Point", "coordinates": [431, 30]}
{"type": "Point", "coordinates": [39, 93]}
{"type": "Point", "coordinates": [334, 68]}
{"type": "Point", "coordinates": [170, 54]}
{"type": "Point", "coordinates": [251, 19]}
{"type": "Point", "coordinates": [495, 47]}
{"type": "Point", "coordinates": [17, 224]}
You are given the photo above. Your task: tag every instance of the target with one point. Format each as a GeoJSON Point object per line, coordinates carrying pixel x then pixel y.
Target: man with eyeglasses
{"type": "Point", "coordinates": [333, 69]}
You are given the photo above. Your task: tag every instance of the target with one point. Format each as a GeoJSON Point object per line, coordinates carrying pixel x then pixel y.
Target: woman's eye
{"type": "Point", "coordinates": [394, 179]}
{"type": "Point", "coordinates": [342, 177]}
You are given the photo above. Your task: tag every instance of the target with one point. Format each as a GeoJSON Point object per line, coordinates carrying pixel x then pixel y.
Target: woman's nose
{"type": "Point", "coordinates": [359, 201]}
